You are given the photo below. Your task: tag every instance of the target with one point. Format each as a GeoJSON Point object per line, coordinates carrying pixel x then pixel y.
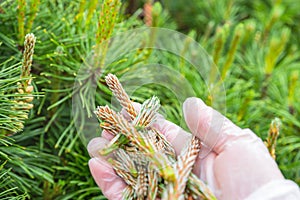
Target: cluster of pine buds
{"type": "Point", "coordinates": [143, 157]}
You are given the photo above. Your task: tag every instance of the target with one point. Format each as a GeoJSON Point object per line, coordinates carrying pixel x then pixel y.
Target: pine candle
{"type": "Point", "coordinates": [143, 157]}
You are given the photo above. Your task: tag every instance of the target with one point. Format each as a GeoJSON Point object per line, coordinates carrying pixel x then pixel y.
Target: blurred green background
{"type": "Point", "coordinates": [254, 44]}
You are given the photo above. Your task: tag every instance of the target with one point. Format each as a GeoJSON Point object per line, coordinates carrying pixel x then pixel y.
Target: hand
{"type": "Point", "coordinates": [234, 162]}
{"type": "Point", "coordinates": [239, 162]}
{"type": "Point", "coordinates": [109, 182]}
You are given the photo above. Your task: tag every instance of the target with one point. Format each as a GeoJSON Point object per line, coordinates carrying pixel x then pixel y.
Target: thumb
{"type": "Point", "coordinates": [210, 126]}
{"type": "Point", "coordinates": [110, 183]}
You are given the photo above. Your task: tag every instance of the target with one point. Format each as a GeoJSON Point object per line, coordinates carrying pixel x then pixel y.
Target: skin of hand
{"type": "Point", "coordinates": [234, 162]}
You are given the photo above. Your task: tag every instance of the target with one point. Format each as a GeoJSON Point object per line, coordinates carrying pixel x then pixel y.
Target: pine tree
{"type": "Point", "coordinates": [254, 44]}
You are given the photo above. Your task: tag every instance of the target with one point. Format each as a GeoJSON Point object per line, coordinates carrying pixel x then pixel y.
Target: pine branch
{"type": "Point", "coordinates": [106, 23]}
{"type": "Point", "coordinates": [109, 116]}
{"type": "Point", "coordinates": [107, 19]}
{"type": "Point", "coordinates": [153, 183]}
{"type": "Point", "coordinates": [127, 163]}
{"type": "Point", "coordinates": [17, 96]}
{"type": "Point", "coordinates": [199, 189]}
{"type": "Point", "coordinates": [163, 143]}
{"type": "Point", "coordinates": [120, 124]}
{"type": "Point", "coordinates": [124, 174]}
{"type": "Point", "coordinates": [147, 113]}
{"type": "Point", "coordinates": [128, 193]}
{"type": "Point", "coordinates": [183, 168]}
{"type": "Point", "coordinates": [117, 89]}
{"type": "Point", "coordinates": [142, 182]}
{"type": "Point", "coordinates": [27, 55]}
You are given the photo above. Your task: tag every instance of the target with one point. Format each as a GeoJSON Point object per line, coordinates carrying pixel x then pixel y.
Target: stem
{"type": "Point", "coordinates": [34, 7]}
{"type": "Point", "coordinates": [21, 20]}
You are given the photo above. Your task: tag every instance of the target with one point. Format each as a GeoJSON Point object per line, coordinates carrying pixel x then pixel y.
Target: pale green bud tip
{"type": "Point", "coordinates": [29, 38]}
{"type": "Point", "coordinates": [276, 123]}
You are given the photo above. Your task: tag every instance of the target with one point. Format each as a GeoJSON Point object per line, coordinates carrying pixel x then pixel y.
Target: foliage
{"type": "Point", "coordinates": [253, 43]}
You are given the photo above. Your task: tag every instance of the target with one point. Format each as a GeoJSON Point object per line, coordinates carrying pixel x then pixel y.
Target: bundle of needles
{"type": "Point", "coordinates": [143, 157]}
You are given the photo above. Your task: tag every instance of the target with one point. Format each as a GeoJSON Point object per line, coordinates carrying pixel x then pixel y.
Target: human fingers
{"type": "Point", "coordinates": [214, 130]}
{"type": "Point", "coordinates": [95, 145]}
{"type": "Point", "coordinates": [246, 164]}
{"type": "Point", "coordinates": [108, 181]}
{"type": "Point", "coordinates": [103, 173]}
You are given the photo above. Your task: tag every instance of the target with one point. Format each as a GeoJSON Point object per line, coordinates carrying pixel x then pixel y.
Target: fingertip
{"type": "Point", "coordinates": [197, 115]}
{"type": "Point", "coordinates": [194, 101]}
{"type": "Point", "coordinates": [95, 145]}
{"type": "Point", "coordinates": [206, 123]}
